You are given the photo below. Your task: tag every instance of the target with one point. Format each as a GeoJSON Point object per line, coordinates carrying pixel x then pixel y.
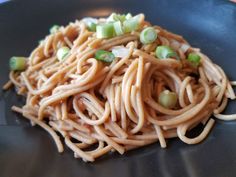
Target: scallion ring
{"type": "Point", "coordinates": [118, 28]}
{"type": "Point", "coordinates": [104, 55]}
{"type": "Point", "coordinates": [167, 99]}
{"type": "Point", "coordinates": [105, 30]}
{"type": "Point", "coordinates": [131, 24]}
{"type": "Point", "coordinates": [54, 29]}
{"type": "Point", "coordinates": [148, 35]}
{"type": "Point", "coordinates": [92, 26]}
{"type": "Point", "coordinates": [194, 59]}
{"type": "Point", "coordinates": [62, 53]}
{"type": "Point", "coordinates": [163, 52]}
{"type": "Point", "coordinates": [17, 63]}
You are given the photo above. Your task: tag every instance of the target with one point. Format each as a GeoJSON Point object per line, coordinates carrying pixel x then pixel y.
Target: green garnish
{"type": "Point", "coordinates": [112, 17]}
{"type": "Point", "coordinates": [104, 56]}
{"type": "Point", "coordinates": [167, 99]}
{"type": "Point", "coordinates": [54, 29]}
{"type": "Point", "coordinates": [118, 28]}
{"type": "Point", "coordinates": [41, 41]}
{"type": "Point", "coordinates": [148, 35]}
{"type": "Point", "coordinates": [194, 59]}
{"type": "Point", "coordinates": [131, 24]}
{"type": "Point", "coordinates": [105, 30]}
{"type": "Point", "coordinates": [92, 26]}
{"type": "Point", "coordinates": [118, 24]}
{"type": "Point", "coordinates": [17, 63]}
{"type": "Point", "coordinates": [62, 53]}
{"type": "Point", "coordinates": [116, 17]}
{"type": "Point", "coordinates": [90, 23]}
{"type": "Point", "coordinates": [163, 52]}
{"type": "Point", "coordinates": [128, 16]}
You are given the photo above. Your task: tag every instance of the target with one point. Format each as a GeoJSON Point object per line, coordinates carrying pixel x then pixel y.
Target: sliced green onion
{"type": "Point", "coordinates": [131, 24]}
{"type": "Point", "coordinates": [122, 18]}
{"type": "Point", "coordinates": [167, 99]}
{"type": "Point", "coordinates": [41, 41]}
{"type": "Point", "coordinates": [54, 29]}
{"type": "Point", "coordinates": [116, 17]}
{"type": "Point", "coordinates": [128, 16]}
{"type": "Point", "coordinates": [163, 52]}
{"type": "Point", "coordinates": [92, 27]}
{"type": "Point", "coordinates": [104, 56]}
{"type": "Point", "coordinates": [148, 35]}
{"type": "Point", "coordinates": [62, 53]}
{"type": "Point", "coordinates": [194, 58]}
{"type": "Point", "coordinates": [120, 51]}
{"type": "Point", "coordinates": [105, 30]}
{"type": "Point", "coordinates": [91, 23]}
{"type": "Point", "coordinates": [17, 63]}
{"type": "Point", "coordinates": [119, 17]}
{"type": "Point", "coordinates": [118, 28]}
{"type": "Point", "coordinates": [112, 17]}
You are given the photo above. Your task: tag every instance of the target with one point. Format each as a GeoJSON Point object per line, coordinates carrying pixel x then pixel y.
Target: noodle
{"type": "Point", "coordinates": [99, 107]}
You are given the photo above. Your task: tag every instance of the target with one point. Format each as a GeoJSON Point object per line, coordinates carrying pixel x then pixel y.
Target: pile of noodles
{"type": "Point", "coordinates": [99, 107]}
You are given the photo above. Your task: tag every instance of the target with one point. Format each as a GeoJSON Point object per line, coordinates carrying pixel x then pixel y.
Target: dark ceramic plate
{"type": "Point", "coordinates": [30, 152]}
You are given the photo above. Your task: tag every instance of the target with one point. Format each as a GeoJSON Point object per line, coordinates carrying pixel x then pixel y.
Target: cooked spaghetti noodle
{"type": "Point", "coordinates": [98, 107]}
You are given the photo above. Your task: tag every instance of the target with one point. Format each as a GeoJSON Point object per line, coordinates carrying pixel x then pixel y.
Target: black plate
{"type": "Point", "coordinates": [26, 151]}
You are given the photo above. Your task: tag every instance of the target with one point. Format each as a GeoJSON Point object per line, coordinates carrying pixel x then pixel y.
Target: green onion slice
{"type": "Point", "coordinates": [54, 29]}
{"type": "Point", "coordinates": [163, 52]}
{"type": "Point", "coordinates": [105, 30]}
{"type": "Point", "coordinates": [104, 56]}
{"type": "Point", "coordinates": [194, 59]}
{"type": "Point", "coordinates": [128, 16]}
{"type": "Point", "coordinates": [131, 24]}
{"type": "Point", "coordinates": [41, 41]}
{"type": "Point", "coordinates": [120, 51]}
{"type": "Point", "coordinates": [62, 53]}
{"type": "Point", "coordinates": [148, 35]}
{"type": "Point", "coordinates": [167, 99]}
{"type": "Point", "coordinates": [92, 27]}
{"type": "Point", "coordinates": [18, 63]}
{"type": "Point", "coordinates": [118, 28]}
{"type": "Point", "coordinates": [91, 23]}
{"type": "Point", "coordinates": [116, 17]}
{"type": "Point", "coordinates": [112, 17]}
{"type": "Point", "coordinates": [122, 18]}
